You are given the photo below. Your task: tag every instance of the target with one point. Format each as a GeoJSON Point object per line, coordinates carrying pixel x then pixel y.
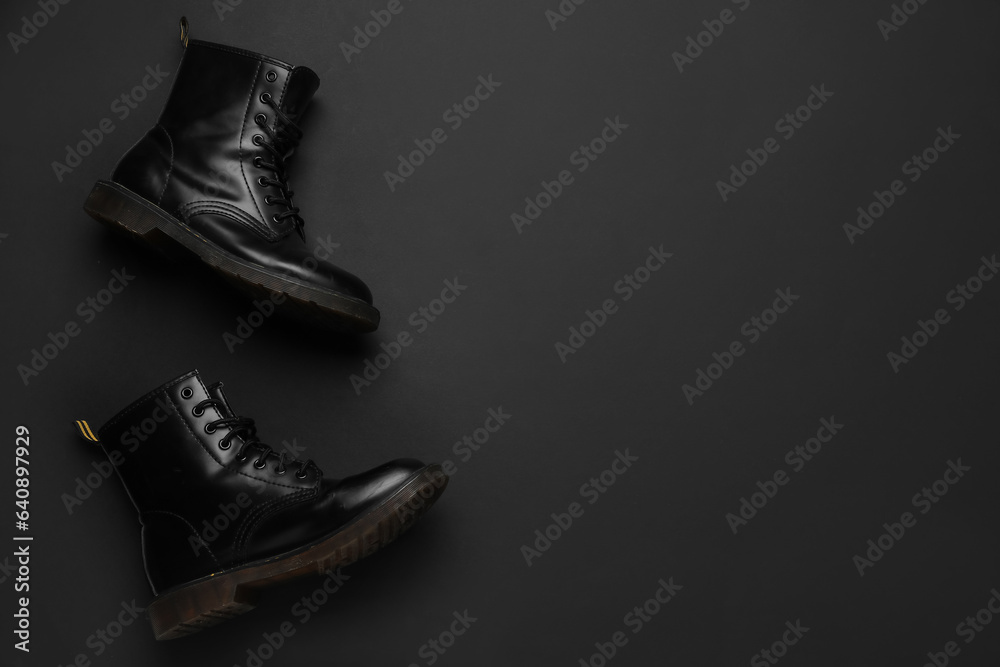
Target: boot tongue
{"type": "Point", "coordinates": [302, 85]}
{"type": "Point", "coordinates": [300, 88]}
{"type": "Point", "coordinates": [215, 391]}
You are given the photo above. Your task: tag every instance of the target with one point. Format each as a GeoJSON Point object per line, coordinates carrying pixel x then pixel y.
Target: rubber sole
{"type": "Point", "coordinates": [224, 595]}
{"type": "Point", "coordinates": [124, 211]}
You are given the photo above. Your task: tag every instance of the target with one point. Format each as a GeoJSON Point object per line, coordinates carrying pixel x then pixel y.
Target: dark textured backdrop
{"type": "Point", "coordinates": [887, 94]}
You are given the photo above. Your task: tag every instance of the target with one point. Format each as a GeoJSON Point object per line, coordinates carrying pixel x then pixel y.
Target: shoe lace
{"type": "Point", "coordinates": [247, 430]}
{"type": "Point", "coordinates": [280, 142]}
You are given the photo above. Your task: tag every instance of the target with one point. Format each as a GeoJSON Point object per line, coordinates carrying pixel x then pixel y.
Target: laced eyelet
{"type": "Point", "coordinates": [258, 464]}
{"type": "Point", "coordinates": [187, 392]}
{"type": "Point", "coordinates": [242, 457]}
{"type": "Point", "coordinates": [258, 162]}
{"type": "Point", "coordinates": [265, 98]}
{"type": "Point", "coordinates": [272, 75]}
{"type": "Point", "coordinates": [258, 139]}
{"type": "Point", "coordinates": [276, 219]}
{"type": "Point", "coordinates": [268, 200]}
{"type": "Point", "coordinates": [225, 444]}
{"type": "Point", "coordinates": [198, 412]}
{"type": "Point", "coordinates": [260, 119]}
{"type": "Point", "coordinates": [301, 474]}
{"type": "Point", "coordinates": [280, 471]}
{"type": "Point", "coordinates": [263, 181]}
{"type": "Point", "coordinates": [209, 428]}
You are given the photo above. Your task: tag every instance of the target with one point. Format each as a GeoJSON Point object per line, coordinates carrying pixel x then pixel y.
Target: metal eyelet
{"type": "Point", "coordinates": [301, 474]}
{"type": "Point", "coordinates": [276, 219]}
{"type": "Point", "coordinates": [265, 98]}
{"type": "Point", "coordinates": [258, 464]}
{"type": "Point", "coordinates": [271, 76]}
{"type": "Point", "coordinates": [225, 444]}
{"type": "Point", "coordinates": [262, 181]}
{"type": "Point", "coordinates": [268, 200]}
{"type": "Point", "coordinates": [187, 392]}
{"type": "Point", "coordinates": [258, 162]}
{"type": "Point", "coordinates": [260, 119]}
{"type": "Point", "coordinates": [198, 412]}
{"type": "Point", "coordinates": [209, 428]}
{"type": "Point", "coordinates": [258, 139]}
{"type": "Point", "coordinates": [280, 471]}
{"type": "Point", "coordinates": [242, 458]}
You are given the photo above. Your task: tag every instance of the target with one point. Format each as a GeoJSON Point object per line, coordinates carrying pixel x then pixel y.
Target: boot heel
{"type": "Point", "coordinates": [196, 607]}
{"type": "Point", "coordinates": [125, 212]}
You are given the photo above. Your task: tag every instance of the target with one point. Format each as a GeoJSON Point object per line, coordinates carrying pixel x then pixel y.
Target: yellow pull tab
{"type": "Point", "coordinates": [185, 31]}
{"type": "Point", "coordinates": [84, 429]}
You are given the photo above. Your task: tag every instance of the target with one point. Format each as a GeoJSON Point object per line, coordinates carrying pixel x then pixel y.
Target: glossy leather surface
{"type": "Point", "coordinates": [201, 163]}
{"type": "Point", "coordinates": [203, 510]}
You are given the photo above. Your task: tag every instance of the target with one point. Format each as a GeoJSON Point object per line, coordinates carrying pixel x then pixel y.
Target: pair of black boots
{"type": "Point", "coordinates": [224, 515]}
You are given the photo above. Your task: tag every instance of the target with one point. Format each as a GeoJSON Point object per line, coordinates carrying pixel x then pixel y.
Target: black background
{"type": "Point", "coordinates": [495, 346]}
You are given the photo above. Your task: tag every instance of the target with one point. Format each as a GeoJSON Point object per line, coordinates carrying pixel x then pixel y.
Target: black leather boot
{"type": "Point", "coordinates": [223, 515]}
{"type": "Point", "coordinates": [209, 181]}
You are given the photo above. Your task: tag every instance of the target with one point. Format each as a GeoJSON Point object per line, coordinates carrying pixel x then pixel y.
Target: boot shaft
{"type": "Point", "coordinates": [207, 151]}
{"type": "Point", "coordinates": [198, 500]}
{"type": "Point", "coordinates": [170, 451]}
{"type": "Point", "coordinates": [209, 181]}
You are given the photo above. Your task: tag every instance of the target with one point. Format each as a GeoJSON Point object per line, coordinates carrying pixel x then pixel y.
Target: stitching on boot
{"type": "Point", "coordinates": [125, 155]}
{"type": "Point", "coordinates": [170, 169]}
{"type": "Point", "coordinates": [284, 88]}
{"type": "Point", "coordinates": [243, 128]}
{"type": "Point", "coordinates": [250, 524]}
{"type": "Point", "coordinates": [191, 209]}
{"type": "Point", "coordinates": [193, 530]}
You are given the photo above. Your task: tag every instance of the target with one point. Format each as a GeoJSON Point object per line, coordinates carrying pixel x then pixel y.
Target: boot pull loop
{"type": "Point", "coordinates": [185, 31]}
{"type": "Point", "coordinates": [83, 429]}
